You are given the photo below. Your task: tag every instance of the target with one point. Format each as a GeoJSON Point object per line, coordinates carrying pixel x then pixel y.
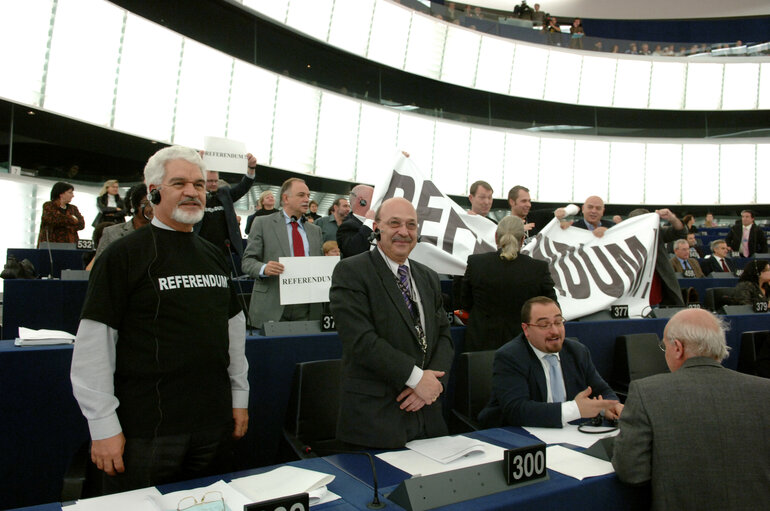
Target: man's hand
{"type": "Point", "coordinates": [107, 454]}
{"type": "Point", "coordinates": [560, 213]}
{"type": "Point", "coordinates": [429, 388]}
{"type": "Point", "coordinates": [599, 231]}
{"type": "Point", "coordinates": [409, 400]}
{"type": "Point", "coordinates": [529, 226]}
{"type": "Point", "coordinates": [613, 412]}
{"type": "Point", "coordinates": [273, 268]}
{"type": "Point", "coordinates": [592, 407]}
{"type": "Point", "coordinates": [564, 225]}
{"type": "Point", "coordinates": [241, 420]}
{"type": "Point", "coordinates": [252, 163]}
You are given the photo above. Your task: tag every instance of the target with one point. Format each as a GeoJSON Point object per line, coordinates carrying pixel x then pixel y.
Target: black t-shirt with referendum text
{"type": "Point", "coordinates": [168, 295]}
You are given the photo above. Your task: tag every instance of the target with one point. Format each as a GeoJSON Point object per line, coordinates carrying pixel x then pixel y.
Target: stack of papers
{"type": "Point", "coordinates": [30, 337]}
{"type": "Point", "coordinates": [284, 481]}
{"type": "Point", "coordinates": [569, 434]}
{"type": "Point", "coordinates": [422, 456]}
{"type": "Point", "coordinates": [234, 501]}
{"type": "Point", "coordinates": [575, 464]}
{"type": "Point", "coordinates": [447, 449]}
{"type": "Point", "coordinates": [136, 500]}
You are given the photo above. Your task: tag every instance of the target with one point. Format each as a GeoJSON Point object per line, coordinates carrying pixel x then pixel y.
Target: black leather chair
{"type": "Point", "coordinates": [473, 385]}
{"type": "Point", "coordinates": [718, 297]}
{"type": "Point", "coordinates": [311, 416]}
{"type": "Point", "coordinates": [754, 357]}
{"type": "Point", "coordinates": [636, 356]}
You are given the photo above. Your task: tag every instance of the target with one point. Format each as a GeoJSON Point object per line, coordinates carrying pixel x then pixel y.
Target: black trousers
{"type": "Point", "coordinates": [167, 459]}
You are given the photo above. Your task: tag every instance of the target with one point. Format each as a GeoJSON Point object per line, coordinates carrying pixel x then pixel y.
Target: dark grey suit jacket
{"type": "Point", "coordinates": [269, 240]}
{"type": "Point", "coordinates": [702, 436]}
{"type": "Point", "coordinates": [519, 389]}
{"type": "Point", "coordinates": [380, 349]}
{"type": "Point", "coordinates": [711, 265]}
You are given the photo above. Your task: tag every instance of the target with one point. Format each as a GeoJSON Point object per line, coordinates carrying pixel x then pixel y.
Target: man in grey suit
{"type": "Point", "coordinates": [699, 433]}
{"type": "Point", "coordinates": [396, 346]}
{"type": "Point", "coordinates": [274, 236]}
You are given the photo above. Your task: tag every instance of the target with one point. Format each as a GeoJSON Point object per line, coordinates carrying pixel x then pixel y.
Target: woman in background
{"type": "Point", "coordinates": [754, 285]}
{"type": "Point", "coordinates": [111, 206]}
{"type": "Point", "coordinates": [265, 206]}
{"type": "Point", "coordinates": [61, 220]}
{"type": "Point", "coordinates": [496, 285]}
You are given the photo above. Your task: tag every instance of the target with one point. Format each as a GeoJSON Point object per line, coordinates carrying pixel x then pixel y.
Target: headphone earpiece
{"type": "Point", "coordinates": [154, 196]}
{"type": "Point", "coordinates": [363, 202]}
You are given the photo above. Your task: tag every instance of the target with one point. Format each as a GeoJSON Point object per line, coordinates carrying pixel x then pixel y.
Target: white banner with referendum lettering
{"type": "Point", "coordinates": [225, 155]}
{"type": "Point", "coordinates": [590, 274]}
{"type": "Point", "coordinates": [448, 235]}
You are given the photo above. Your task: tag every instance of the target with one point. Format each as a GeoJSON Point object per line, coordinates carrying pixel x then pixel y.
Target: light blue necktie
{"type": "Point", "coordinates": [557, 384]}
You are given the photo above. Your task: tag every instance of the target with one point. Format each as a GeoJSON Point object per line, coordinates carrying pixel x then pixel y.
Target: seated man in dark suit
{"type": "Point", "coordinates": [593, 211]}
{"type": "Point", "coordinates": [696, 250]}
{"type": "Point", "coordinates": [698, 433]}
{"type": "Point", "coordinates": [719, 262]}
{"type": "Point", "coordinates": [542, 379]}
{"type": "Point", "coordinates": [683, 263]}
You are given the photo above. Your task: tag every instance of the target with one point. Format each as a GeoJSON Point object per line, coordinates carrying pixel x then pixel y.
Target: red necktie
{"type": "Point", "coordinates": [296, 240]}
{"type": "Point", "coordinates": [724, 266]}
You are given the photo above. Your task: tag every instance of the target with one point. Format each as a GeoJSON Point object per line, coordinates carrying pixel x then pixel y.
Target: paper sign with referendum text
{"type": "Point", "coordinates": [306, 279]}
{"type": "Point", "coordinates": [225, 155]}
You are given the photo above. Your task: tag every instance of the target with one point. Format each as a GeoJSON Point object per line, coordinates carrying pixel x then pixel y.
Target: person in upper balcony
{"type": "Point", "coordinates": [576, 34]}
{"type": "Point", "coordinates": [61, 219]}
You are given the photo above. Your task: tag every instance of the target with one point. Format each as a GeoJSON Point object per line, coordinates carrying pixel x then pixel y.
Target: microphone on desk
{"type": "Point", "coordinates": [375, 503]}
{"type": "Point", "coordinates": [238, 282]}
{"type": "Point", "coordinates": [50, 255]}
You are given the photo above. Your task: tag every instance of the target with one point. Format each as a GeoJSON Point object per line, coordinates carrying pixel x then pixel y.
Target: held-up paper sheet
{"type": "Point", "coordinates": [284, 481]}
{"type": "Point", "coordinates": [569, 434]}
{"type": "Point", "coordinates": [306, 279]}
{"type": "Point", "coordinates": [575, 464]}
{"type": "Point", "coordinates": [418, 464]}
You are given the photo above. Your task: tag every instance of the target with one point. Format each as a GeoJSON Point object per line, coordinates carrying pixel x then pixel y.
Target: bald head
{"type": "Point", "coordinates": [396, 219]}
{"type": "Point", "coordinates": [593, 210]}
{"type": "Point", "coordinates": [694, 333]}
{"type": "Point", "coordinates": [359, 194]}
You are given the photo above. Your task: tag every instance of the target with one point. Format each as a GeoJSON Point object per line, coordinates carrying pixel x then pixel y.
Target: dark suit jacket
{"type": "Point", "coordinates": [493, 290]}
{"type": "Point", "coordinates": [581, 223]}
{"type": "Point", "coordinates": [380, 348]}
{"type": "Point", "coordinates": [227, 195]}
{"type": "Point", "coordinates": [519, 391]}
{"type": "Point", "coordinates": [672, 293]}
{"type": "Point", "coordinates": [757, 238]}
{"type": "Point", "coordinates": [539, 217]}
{"type": "Point", "coordinates": [353, 236]}
{"type": "Point", "coordinates": [700, 434]}
{"type": "Point", "coordinates": [710, 265]}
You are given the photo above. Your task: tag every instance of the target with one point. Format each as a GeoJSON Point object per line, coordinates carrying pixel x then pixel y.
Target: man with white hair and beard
{"type": "Point", "coordinates": [163, 385]}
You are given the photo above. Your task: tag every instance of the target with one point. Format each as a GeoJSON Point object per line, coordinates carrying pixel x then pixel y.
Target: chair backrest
{"type": "Point", "coordinates": [636, 356]}
{"type": "Point", "coordinates": [751, 344]}
{"type": "Point", "coordinates": [718, 297]}
{"type": "Point", "coordinates": [473, 385]}
{"type": "Point", "coordinates": [314, 401]}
